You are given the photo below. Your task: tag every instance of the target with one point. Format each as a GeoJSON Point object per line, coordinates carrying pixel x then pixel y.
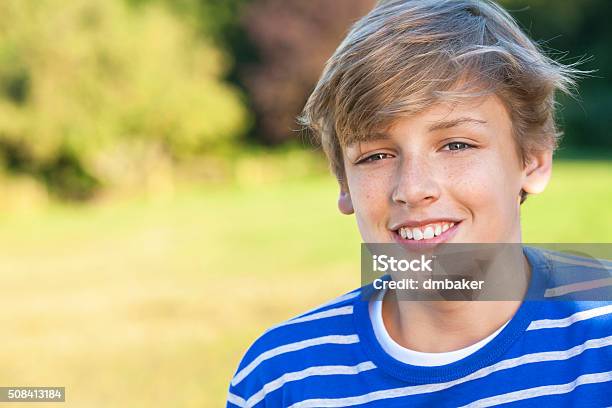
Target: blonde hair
{"type": "Point", "coordinates": [406, 55]}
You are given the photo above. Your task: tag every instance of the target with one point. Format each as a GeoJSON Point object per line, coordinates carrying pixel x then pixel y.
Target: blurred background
{"type": "Point", "coordinates": [160, 207]}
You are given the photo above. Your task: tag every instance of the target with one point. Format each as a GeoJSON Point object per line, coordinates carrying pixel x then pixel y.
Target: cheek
{"type": "Point", "coordinates": [370, 200]}
{"type": "Point", "coordinates": [483, 182]}
{"type": "Point", "coordinates": [369, 189]}
{"type": "Point", "coordinates": [468, 180]}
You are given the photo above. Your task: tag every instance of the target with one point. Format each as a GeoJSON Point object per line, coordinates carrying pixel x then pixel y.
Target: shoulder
{"type": "Point", "coordinates": [321, 337]}
{"type": "Point", "coordinates": [577, 276]}
{"type": "Point", "coordinates": [578, 294]}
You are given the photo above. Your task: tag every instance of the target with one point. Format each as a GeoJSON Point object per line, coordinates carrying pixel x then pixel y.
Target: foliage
{"type": "Point", "coordinates": [293, 39]}
{"type": "Point", "coordinates": [576, 31]}
{"type": "Point", "coordinates": [93, 93]}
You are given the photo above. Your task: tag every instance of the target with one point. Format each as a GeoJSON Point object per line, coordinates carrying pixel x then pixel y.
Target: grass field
{"type": "Point", "coordinates": [151, 304]}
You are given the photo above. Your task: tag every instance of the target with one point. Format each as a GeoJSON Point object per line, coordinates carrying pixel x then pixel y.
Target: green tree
{"type": "Point", "coordinates": [95, 93]}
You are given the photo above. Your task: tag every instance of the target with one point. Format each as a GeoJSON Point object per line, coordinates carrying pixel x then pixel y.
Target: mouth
{"type": "Point", "coordinates": [425, 235]}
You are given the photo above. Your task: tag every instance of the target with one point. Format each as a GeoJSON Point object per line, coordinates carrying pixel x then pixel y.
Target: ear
{"type": "Point", "coordinates": [345, 204]}
{"type": "Point", "coordinates": [537, 172]}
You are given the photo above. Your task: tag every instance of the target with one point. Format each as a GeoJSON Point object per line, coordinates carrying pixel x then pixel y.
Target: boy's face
{"type": "Point", "coordinates": [452, 168]}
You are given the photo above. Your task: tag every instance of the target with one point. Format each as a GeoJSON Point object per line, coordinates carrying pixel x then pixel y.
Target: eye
{"type": "Point", "coordinates": [456, 146]}
{"type": "Point", "coordinates": [374, 157]}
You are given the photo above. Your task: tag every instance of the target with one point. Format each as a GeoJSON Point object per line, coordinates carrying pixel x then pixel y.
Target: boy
{"type": "Point", "coordinates": [438, 120]}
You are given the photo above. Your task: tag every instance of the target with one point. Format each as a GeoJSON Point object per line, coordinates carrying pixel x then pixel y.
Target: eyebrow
{"type": "Point", "coordinates": [439, 125]}
{"type": "Point", "coordinates": [372, 137]}
{"type": "Point", "coordinates": [454, 122]}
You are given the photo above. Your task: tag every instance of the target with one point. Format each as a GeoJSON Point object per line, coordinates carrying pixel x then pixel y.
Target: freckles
{"type": "Point", "coordinates": [374, 199]}
{"type": "Point", "coordinates": [368, 189]}
{"type": "Point", "coordinates": [376, 185]}
{"type": "Point", "coordinates": [471, 180]}
{"type": "Point", "coordinates": [458, 173]}
{"type": "Point", "coordinates": [366, 194]}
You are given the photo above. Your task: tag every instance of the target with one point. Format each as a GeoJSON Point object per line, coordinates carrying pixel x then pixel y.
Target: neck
{"type": "Point", "coordinates": [453, 324]}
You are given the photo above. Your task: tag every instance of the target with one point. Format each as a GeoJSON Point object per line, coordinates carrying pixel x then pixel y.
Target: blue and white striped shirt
{"type": "Point", "coordinates": [551, 353]}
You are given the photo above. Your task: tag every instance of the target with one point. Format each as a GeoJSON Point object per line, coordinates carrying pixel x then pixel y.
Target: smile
{"type": "Point", "coordinates": [428, 231]}
{"type": "Point", "coordinates": [426, 234]}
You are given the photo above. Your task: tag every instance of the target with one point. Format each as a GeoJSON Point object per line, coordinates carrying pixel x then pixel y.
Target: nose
{"type": "Point", "coordinates": [416, 183]}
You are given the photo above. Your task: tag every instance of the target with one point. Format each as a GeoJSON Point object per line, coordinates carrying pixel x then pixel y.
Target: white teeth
{"type": "Point", "coordinates": [430, 231]}
{"type": "Point", "coordinates": [417, 234]}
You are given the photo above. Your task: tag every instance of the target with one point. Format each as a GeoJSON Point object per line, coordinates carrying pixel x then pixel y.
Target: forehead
{"type": "Point", "coordinates": [486, 112]}
{"type": "Point", "coordinates": [489, 111]}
